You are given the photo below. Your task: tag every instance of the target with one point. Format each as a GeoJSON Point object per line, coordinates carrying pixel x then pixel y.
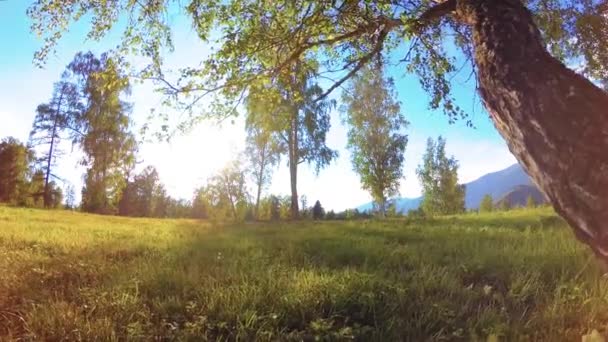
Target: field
{"type": "Point", "coordinates": [512, 276]}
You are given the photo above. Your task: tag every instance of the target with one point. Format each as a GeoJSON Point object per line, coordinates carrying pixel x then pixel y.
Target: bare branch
{"type": "Point", "coordinates": [362, 62]}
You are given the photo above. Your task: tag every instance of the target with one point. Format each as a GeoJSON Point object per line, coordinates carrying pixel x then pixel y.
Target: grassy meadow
{"type": "Point", "coordinates": [518, 275]}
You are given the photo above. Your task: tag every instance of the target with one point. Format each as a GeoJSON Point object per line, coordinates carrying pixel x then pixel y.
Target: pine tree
{"type": "Point", "coordinates": [52, 121]}
{"type": "Point", "coordinates": [318, 213]}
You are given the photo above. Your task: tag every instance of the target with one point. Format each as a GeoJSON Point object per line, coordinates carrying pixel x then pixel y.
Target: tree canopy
{"type": "Point", "coordinates": [286, 110]}
{"type": "Point", "coordinates": [15, 170]}
{"type": "Point", "coordinates": [438, 176]}
{"type": "Point", "coordinates": [108, 145]}
{"type": "Point", "coordinates": [52, 121]}
{"type": "Point", "coordinates": [341, 36]}
{"type": "Point", "coordinates": [375, 135]}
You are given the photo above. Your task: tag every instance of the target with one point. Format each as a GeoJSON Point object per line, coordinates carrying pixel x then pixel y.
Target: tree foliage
{"type": "Point", "coordinates": [226, 194]}
{"type": "Point", "coordinates": [318, 212]}
{"type": "Point", "coordinates": [20, 182]}
{"type": "Point", "coordinates": [106, 140]}
{"type": "Point", "coordinates": [263, 151]}
{"type": "Point", "coordinates": [342, 36]}
{"type": "Point", "coordinates": [438, 176]}
{"type": "Point", "coordinates": [53, 120]}
{"type": "Point", "coordinates": [200, 203]}
{"type": "Point", "coordinates": [436, 41]}
{"type": "Point", "coordinates": [375, 135]}
{"type": "Point", "coordinates": [15, 170]}
{"type": "Point", "coordinates": [144, 196]}
{"type": "Point", "coordinates": [286, 110]}
{"type": "Point", "coordinates": [487, 204]}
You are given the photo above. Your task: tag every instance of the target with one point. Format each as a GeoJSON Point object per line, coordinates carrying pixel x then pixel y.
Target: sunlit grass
{"type": "Point", "coordinates": [517, 275]}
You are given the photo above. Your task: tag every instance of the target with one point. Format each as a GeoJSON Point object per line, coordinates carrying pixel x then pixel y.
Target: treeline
{"type": "Point", "coordinates": [21, 183]}
{"type": "Point", "coordinates": [285, 120]}
{"type": "Point", "coordinates": [224, 197]}
{"type": "Point", "coordinates": [488, 204]}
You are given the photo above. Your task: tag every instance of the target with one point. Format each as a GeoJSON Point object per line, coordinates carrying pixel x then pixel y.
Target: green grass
{"type": "Point", "coordinates": [517, 275]}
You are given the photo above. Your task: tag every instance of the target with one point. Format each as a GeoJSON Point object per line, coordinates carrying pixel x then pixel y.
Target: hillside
{"type": "Point", "coordinates": [497, 184]}
{"type": "Point", "coordinates": [518, 197]}
{"type": "Point", "coordinates": [518, 276]}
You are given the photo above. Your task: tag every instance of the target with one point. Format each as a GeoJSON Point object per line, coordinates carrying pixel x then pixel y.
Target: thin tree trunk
{"type": "Point", "coordinates": [293, 165]}
{"type": "Point", "coordinates": [257, 201]}
{"type": "Point", "coordinates": [233, 206]}
{"type": "Point", "coordinates": [293, 172]}
{"type": "Point", "coordinates": [47, 194]}
{"type": "Point", "coordinates": [231, 196]}
{"type": "Point", "coordinates": [260, 183]}
{"type": "Point", "coordinates": [382, 205]}
{"type": "Point", "coordinates": [554, 121]}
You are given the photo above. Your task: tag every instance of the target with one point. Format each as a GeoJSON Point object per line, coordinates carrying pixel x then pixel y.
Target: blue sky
{"type": "Point", "coordinates": [188, 160]}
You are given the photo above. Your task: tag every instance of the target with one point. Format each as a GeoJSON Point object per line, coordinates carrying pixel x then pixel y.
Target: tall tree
{"type": "Point", "coordinates": [106, 140]}
{"type": "Point", "coordinates": [287, 107]}
{"type": "Point", "coordinates": [263, 151]}
{"type": "Point", "coordinates": [438, 176]}
{"type": "Point", "coordinates": [15, 170]}
{"type": "Point", "coordinates": [52, 121]}
{"type": "Point", "coordinates": [375, 135]}
{"type": "Point", "coordinates": [552, 119]}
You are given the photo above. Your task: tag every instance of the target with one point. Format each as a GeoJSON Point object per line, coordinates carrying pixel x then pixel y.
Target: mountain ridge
{"type": "Point", "coordinates": [497, 184]}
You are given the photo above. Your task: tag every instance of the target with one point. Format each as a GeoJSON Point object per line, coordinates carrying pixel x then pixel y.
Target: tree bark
{"type": "Point", "coordinates": [555, 121]}
{"type": "Point", "coordinates": [260, 181]}
{"type": "Point", "coordinates": [382, 205]}
{"type": "Point", "coordinates": [293, 165]}
{"type": "Point", "coordinates": [257, 199]}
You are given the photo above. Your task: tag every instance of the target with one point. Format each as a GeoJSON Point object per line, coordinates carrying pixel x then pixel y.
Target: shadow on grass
{"type": "Point", "coordinates": [366, 280]}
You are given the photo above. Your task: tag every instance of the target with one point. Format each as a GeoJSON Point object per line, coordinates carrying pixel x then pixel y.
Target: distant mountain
{"type": "Point", "coordinates": [497, 184]}
{"type": "Point", "coordinates": [403, 204]}
{"type": "Point", "coordinates": [518, 197]}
